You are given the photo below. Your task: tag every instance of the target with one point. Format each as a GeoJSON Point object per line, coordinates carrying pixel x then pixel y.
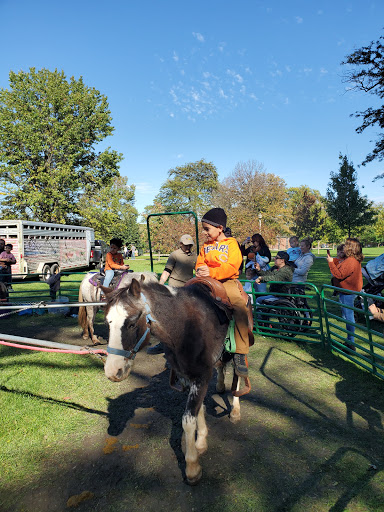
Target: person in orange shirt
{"type": "Point", "coordinates": [347, 275]}
{"type": "Point", "coordinates": [220, 258]}
{"type": "Point", "coordinates": [113, 261]}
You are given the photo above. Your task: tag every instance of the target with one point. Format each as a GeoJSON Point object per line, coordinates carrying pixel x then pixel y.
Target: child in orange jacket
{"type": "Point", "coordinates": [220, 258]}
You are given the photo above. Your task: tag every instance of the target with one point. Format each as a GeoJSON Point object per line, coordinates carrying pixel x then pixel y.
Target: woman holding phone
{"type": "Point", "coordinates": [347, 275]}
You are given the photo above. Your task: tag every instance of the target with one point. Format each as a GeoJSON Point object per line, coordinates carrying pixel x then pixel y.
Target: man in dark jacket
{"type": "Point", "coordinates": [282, 271]}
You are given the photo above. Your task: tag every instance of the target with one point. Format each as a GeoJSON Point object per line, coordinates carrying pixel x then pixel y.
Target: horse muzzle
{"type": "Point", "coordinates": [116, 371]}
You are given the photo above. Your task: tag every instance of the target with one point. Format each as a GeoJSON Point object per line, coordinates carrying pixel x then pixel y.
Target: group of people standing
{"type": "Point", "coordinates": [292, 265]}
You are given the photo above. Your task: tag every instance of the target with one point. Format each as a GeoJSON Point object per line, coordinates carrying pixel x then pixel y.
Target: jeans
{"type": "Point", "coordinates": [108, 277]}
{"type": "Point", "coordinates": [262, 298]}
{"type": "Point", "coordinates": [261, 287]}
{"type": "Point", "coordinates": [348, 314]}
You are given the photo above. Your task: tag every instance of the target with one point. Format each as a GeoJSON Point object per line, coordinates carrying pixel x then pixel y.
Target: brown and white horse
{"type": "Point", "coordinates": [90, 292]}
{"type": "Point", "coordinates": [186, 322]}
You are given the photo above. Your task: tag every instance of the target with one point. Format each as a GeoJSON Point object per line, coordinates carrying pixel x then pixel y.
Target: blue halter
{"type": "Point", "coordinates": [131, 354]}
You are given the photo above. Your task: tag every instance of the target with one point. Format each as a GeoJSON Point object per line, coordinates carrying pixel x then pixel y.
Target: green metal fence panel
{"type": "Point", "coordinates": [367, 350]}
{"type": "Point", "coordinates": [296, 314]}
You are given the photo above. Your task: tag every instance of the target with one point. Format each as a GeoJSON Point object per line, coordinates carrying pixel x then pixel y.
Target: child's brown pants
{"type": "Point", "coordinates": [240, 315]}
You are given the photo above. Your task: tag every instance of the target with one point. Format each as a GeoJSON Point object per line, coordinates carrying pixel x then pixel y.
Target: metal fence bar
{"type": "Point", "coordinates": [367, 350]}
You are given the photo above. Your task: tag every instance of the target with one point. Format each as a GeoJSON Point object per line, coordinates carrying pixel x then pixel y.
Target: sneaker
{"type": "Point", "coordinates": [241, 365]}
{"type": "Point", "coordinates": [156, 349]}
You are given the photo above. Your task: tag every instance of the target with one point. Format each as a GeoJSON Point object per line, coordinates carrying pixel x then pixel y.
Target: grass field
{"type": "Point", "coordinates": [57, 407]}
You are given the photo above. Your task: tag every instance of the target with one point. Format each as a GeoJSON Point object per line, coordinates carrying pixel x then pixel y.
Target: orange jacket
{"type": "Point", "coordinates": [347, 274]}
{"type": "Point", "coordinates": [113, 262]}
{"type": "Point", "coordinates": [223, 259]}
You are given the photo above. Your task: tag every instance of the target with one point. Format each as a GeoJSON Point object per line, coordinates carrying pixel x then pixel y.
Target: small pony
{"type": "Point", "coordinates": [192, 331]}
{"type": "Point", "coordinates": [89, 291]}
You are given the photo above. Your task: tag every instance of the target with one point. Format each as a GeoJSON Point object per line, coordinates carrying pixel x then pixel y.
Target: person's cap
{"type": "Point", "coordinates": [283, 255]}
{"type": "Point", "coordinates": [186, 240]}
{"type": "Point", "coordinates": [216, 217]}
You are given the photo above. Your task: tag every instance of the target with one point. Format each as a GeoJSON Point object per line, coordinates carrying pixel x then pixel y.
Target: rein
{"type": "Point", "coordinates": [131, 354]}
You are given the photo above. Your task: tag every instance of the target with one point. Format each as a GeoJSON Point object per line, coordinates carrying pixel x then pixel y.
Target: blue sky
{"type": "Point", "coordinates": [227, 81]}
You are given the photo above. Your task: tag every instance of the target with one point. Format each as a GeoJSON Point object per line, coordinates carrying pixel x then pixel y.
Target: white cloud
{"type": "Point", "coordinates": [235, 75]}
{"type": "Point", "coordinates": [146, 188]}
{"type": "Point", "coordinates": [198, 36]}
{"type": "Point", "coordinates": [299, 20]}
{"type": "Point", "coordinates": [175, 57]}
{"type": "Point", "coordinates": [323, 71]}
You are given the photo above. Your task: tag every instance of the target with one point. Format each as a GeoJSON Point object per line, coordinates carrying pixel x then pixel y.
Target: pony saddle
{"type": "Point", "coordinates": [216, 290]}
{"type": "Point", "coordinates": [98, 278]}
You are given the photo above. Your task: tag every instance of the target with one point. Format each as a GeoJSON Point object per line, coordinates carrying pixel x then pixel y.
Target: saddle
{"type": "Point", "coordinates": [98, 278]}
{"type": "Point", "coordinates": [216, 289]}
{"type": "Point", "coordinates": [220, 298]}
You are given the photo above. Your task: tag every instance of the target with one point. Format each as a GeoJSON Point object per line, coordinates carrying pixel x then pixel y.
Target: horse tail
{"type": "Point", "coordinates": [82, 318]}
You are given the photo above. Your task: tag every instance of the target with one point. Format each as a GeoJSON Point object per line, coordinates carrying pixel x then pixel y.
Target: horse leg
{"type": "Point", "coordinates": [91, 314]}
{"type": "Point", "coordinates": [220, 384]}
{"type": "Point", "coordinates": [202, 432]}
{"type": "Point", "coordinates": [196, 396]}
{"type": "Point", "coordinates": [235, 412]}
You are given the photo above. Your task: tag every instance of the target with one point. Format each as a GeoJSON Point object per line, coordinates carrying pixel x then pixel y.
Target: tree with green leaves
{"type": "Point", "coordinates": [189, 187]}
{"type": "Point", "coordinates": [344, 204]}
{"type": "Point", "coordinates": [308, 212]}
{"type": "Point", "coordinates": [110, 211]}
{"type": "Point", "coordinates": [49, 128]}
{"type": "Point", "coordinates": [366, 73]}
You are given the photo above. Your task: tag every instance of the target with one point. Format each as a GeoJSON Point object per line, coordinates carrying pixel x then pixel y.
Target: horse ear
{"type": "Point", "coordinates": [135, 288]}
{"type": "Point", "coordinates": [142, 279]}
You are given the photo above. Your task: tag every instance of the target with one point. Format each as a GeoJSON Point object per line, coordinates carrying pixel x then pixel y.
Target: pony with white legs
{"type": "Point", "coordinates": [186, 321]}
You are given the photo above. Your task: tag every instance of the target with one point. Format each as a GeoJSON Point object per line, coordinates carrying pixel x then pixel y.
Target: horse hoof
{"type": "Point", "coordinates": [196, 479]}
{"type": "Point", "coordinates": [235, 417]}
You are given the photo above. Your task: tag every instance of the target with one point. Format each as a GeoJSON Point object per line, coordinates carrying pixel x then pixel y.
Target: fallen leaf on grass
{"type": "Point", "coordinates": [127, 447]}
{"type": "Point", "coordinates": [76, 499]}
{"type": "Point", "coordinates": [110, 445]}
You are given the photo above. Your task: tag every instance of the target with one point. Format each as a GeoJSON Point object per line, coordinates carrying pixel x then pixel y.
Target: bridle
{"type": "Point", "coordinates": [131, 354]}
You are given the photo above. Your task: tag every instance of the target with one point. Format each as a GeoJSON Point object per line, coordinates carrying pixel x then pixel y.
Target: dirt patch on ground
{"type": "Point", "coordinates": [310, 439]}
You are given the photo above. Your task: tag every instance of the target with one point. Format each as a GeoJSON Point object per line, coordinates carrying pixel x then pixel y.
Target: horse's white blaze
{"type": "Point", "coordinates": [116, 318]}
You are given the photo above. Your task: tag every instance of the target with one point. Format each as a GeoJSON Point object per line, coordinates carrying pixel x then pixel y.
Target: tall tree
{"type": "Point", "coordinates": [49, 127]}
{"type": "Point", "coordinates": [344, 203]}
{"type": "Point", "coordinates": [255, 201]}
{"type": "Point", "coordinates": [110, 211]}
{"type": "Point", "coordinates": [308, 212]}
{"type": "Point", "coordinates": [189, 187]}
{"type": "Point", "coordinates": [367, 75]}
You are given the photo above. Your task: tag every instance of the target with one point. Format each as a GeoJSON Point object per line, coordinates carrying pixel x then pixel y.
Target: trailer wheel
{"type": "Point", "coordinates": [46, 273]}
{"type": "Point", "coordinates": [54, 269]}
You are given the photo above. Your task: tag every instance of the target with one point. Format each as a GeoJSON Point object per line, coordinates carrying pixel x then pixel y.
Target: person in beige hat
{"type": "Point", "coordinates": [178, 270]}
